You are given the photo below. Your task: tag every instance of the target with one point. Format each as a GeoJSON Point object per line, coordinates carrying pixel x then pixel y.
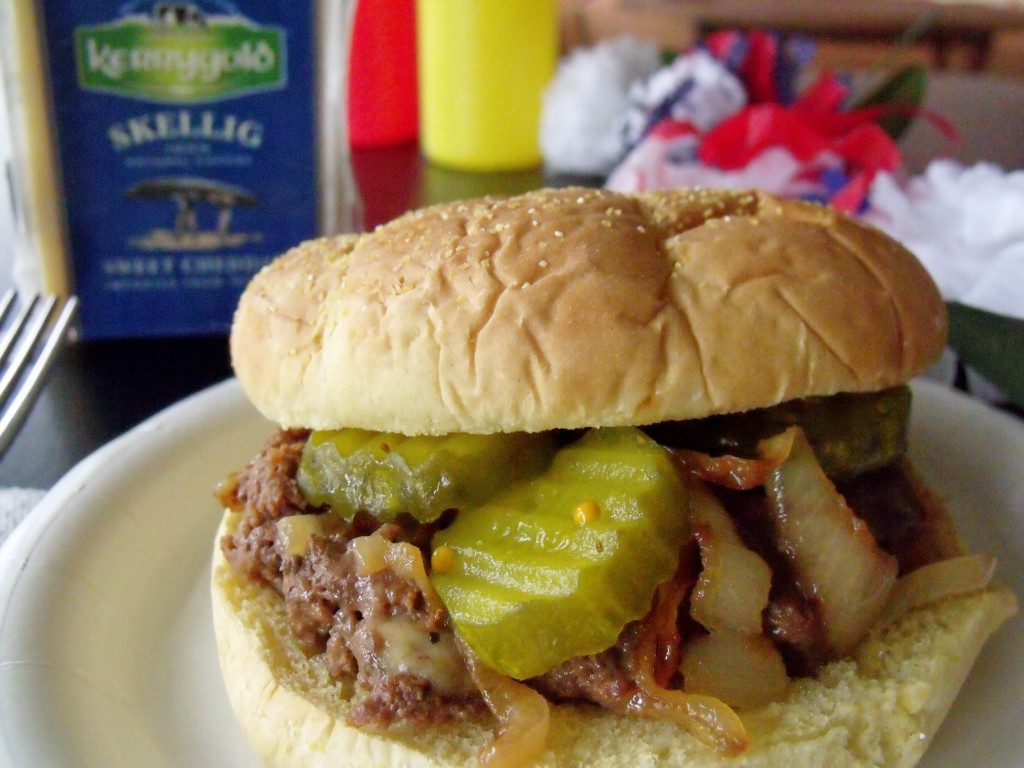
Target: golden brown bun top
{"type": "Point", "coordinates": [582, 307]}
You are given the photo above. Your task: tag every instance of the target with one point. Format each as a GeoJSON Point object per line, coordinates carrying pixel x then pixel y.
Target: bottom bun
{"type": "Point", "coordinates": [878, 708]}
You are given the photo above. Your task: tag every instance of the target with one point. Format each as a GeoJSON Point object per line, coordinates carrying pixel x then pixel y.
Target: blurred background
{"type": "Point", "coordinates": [981, 36]}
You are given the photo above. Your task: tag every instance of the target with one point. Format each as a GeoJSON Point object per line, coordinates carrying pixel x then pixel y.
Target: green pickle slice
{"type": "Point", "coordinates": [851, 432]}
{"type": "Point", "coordinates": [354, 470]}
{"type": "Point", "coordinates": [555, 566]}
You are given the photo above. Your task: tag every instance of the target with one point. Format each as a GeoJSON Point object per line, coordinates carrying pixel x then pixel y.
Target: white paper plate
{"type": "Point", "coordinates": [107, 654]}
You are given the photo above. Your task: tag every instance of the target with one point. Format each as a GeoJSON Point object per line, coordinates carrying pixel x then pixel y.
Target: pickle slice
{"type": "Point", "coordinates": [354, 470]}
{"type": "Point", "coordinates": [557, 565]}
{"type": "Point", "coordinates": [850, 433]}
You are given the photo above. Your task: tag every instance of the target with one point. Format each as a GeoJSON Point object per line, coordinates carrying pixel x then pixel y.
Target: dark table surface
{"type": "Point", "coordinates": [101, 389]}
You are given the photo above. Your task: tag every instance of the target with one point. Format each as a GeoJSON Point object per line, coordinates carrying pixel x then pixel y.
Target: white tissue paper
{"type": "Point", "coordinates": [695, 88]}
{"type": "Point", "coordinates": [581, 127]}
{"type": "Point", "coordinates": [965, 224]}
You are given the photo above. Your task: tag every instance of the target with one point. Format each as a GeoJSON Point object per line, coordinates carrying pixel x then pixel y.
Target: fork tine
{"type": "Point", "coordinates": [22, 339]}
{"type": "Point", "coordinates": [16, 328]}
{"type": "Point", "coordinates": [6, 302]}
{"type": "Point", "coordinates": [52, 340]}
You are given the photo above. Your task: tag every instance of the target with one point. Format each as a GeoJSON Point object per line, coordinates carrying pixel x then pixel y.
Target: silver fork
{"type": "Point", "coordinates": [28, 348]}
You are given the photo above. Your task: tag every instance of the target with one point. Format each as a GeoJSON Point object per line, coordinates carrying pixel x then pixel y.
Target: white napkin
{"type": "Point", "coordinates": [581, 127]}
{"type": "Point", "coordinates": [15, 504]}
{"type": "Point", "coordinates": [965, 224]}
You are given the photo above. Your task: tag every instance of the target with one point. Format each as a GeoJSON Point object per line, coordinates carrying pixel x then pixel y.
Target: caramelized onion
{"type": "Point", "coordinates": [406, 560]}
{"type": "Point", "coordinates": [837, 561]}
{"type": "Point", "coordinates": [932, 582]}
{"type": "Point", "coordinates": [523, 715]}
{"type": "Point", "coordinates": [741, 670]}
{"type": "Point", "coordinates": [663, 624]}
{"type": "Point", "coordinates": [709, 719]}
{"type": "Point", "coordinates": [732, 590]}
{"type": "Point", "coordinates": [375, 552]}
{"type": "Point", "coordinates": [731, 472]}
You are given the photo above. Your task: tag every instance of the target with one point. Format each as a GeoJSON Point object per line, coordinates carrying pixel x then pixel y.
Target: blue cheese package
{"type": "Point", "coordinates": [190, 150]}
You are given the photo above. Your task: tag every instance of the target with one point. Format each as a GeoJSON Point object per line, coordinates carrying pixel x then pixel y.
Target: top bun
{"type": "Point", "coordinates": [582, 307]}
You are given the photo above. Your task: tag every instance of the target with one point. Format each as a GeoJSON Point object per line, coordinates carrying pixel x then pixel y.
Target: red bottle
{"type": "Point", "coordinates": [382, 108]}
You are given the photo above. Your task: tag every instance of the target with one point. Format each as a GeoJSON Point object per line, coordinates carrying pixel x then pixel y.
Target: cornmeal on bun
{"type": "Point", "coordinates": [580, 478]}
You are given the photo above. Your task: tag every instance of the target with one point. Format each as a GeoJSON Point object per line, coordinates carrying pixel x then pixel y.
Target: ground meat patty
{"type": "Point", "coordinates": [377, 627]}
{"type": "Point", "coordinates": [380, 629]}
{"type": "Point", "coordinates": [374, 627]}
{"type": "Point", "coordinates": [265, 490]}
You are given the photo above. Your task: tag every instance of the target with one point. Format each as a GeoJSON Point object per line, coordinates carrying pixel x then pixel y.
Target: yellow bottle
{"type": "Point", "coordinates": [483, 68]}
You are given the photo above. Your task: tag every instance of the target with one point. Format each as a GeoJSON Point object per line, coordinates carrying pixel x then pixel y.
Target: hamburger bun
{"type": "Point", "coordinates": [572, 308]}
{"type": "Point", "coordinates": [581, 307]}
{"type": "Point", "coordinates": [878, 708]}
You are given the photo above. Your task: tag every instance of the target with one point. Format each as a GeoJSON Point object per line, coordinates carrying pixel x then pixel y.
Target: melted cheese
{"type": "Point", "coordinates": [408, 649]}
